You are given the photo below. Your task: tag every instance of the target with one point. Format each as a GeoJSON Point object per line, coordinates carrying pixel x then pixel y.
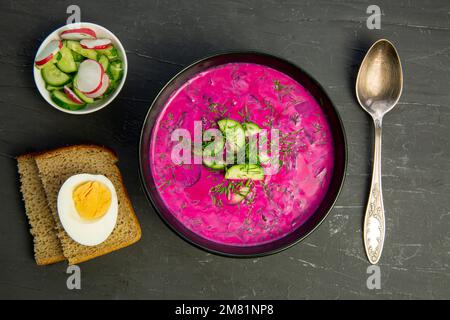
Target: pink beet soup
{"type": "Point", "coordinates": [279, 203]}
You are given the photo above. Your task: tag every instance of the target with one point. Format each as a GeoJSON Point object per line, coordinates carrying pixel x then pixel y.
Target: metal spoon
{"type": "Point", "coordinates": [378, 88]}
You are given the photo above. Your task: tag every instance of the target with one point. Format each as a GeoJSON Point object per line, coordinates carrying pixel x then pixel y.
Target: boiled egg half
{"type": "Point", "coordinates": [87, 208]}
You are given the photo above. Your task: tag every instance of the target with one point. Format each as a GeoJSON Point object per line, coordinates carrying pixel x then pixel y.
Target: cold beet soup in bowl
{"type": "Point", "coordinates": [242, 154]}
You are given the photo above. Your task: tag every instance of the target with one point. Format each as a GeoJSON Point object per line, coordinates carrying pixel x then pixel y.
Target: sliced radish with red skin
{"type": "Point", "coordinates": [239, 195]}
{"type": "Point", "coordinates": [78, 34]}
{"type": "Point", "coordinates": [90, 76]}
{"type": "Point", "coordinates": [72, 96]}
{"type": "Point", "coordinates": [97, 44]}
{"type": "Point", "coordinates": [102, 90]}
{"type": "Point", "coordinates": [47, 54]}
{"type": "Point", "coordinates": [42, 62]}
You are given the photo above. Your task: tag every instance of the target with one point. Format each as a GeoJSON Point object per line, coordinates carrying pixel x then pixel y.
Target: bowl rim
{"type": "Point", "coordinates": [120, 48]}
{"type": "Point", "coordinates": [282, 247]}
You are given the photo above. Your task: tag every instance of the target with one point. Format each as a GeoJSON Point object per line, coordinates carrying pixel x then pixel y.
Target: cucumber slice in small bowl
{"type": "Point", "coordinates": [53, 76]}
{"type": "Point", "coordinates": [115, 68]}
{"type": "Point", "coordinates": [66, 63]}
{"type": "Point", "coordinates": [77, 57]}
{"type": "Point", "coordinates": [61, 99]}
{"type": "Point", "coordinates": [56, 81]}
{"type": "Point", "coordinates": [51, 88]}
{"type": "Point", "coordinates": [111, 53]}
{"type": "Point", "coordinates": [76, 47]}
{"type": "Point", "coordinates": [103, 60]}
{"type": "Point", "coordinates": [82, 96]}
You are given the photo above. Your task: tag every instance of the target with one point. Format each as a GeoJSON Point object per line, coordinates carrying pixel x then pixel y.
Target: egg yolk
{"type": "Point", "coordinates": [92, 200]}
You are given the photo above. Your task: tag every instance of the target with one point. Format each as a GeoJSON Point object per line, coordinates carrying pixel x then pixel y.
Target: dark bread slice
{"type": "Point", "coordinates": [58, 165]}
{"type": "Point", "coordinates": [47, 247]}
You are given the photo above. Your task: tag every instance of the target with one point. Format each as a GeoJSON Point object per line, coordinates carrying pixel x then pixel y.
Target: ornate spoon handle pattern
{"type": "Point", "coordinates": [374, 221]}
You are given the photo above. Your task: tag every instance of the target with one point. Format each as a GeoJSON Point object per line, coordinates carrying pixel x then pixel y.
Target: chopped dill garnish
{"type": "Point", "coordinates": [317, 127]}
{"type": "Point", "coordinates": [227, 188]}
{"type": "Point", "coordinates": [213, 107]}
{"type": "Point", "coordinates": [277, 85]}
{"type": "Point", "coordinates": [165, 184]}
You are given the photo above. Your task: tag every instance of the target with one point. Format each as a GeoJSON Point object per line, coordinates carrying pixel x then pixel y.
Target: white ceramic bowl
{"type": "Point", "coordinates": [101, 33]}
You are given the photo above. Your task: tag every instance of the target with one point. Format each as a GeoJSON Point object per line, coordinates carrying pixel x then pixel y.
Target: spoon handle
{"type": "Point", "coordinates": [374, 222]}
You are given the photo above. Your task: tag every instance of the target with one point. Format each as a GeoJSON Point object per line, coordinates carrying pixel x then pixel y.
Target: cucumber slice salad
{"type": "Point", "coordinates": [79, 71]}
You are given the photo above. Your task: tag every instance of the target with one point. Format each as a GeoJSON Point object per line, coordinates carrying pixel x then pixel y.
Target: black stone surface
{"type": "Point", "coordinates": [326, 38]}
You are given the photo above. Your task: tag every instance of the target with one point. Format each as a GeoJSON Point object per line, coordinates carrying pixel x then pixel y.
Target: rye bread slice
{"type": "Point", "coordinates": [47, 247]}
{"type": "Point", "coordinates": [58, 165]}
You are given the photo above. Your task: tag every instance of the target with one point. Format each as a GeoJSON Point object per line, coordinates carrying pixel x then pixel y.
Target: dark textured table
{"type": "Point", "coordinates": [328, 39]}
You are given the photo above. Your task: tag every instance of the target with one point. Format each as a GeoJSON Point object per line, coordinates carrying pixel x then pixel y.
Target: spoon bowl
{"type": "Point", "coordinates": [380, 79]}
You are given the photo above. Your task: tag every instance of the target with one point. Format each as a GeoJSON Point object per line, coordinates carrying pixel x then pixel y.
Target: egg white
{"type": "Point", "coordinates": [88, 233]}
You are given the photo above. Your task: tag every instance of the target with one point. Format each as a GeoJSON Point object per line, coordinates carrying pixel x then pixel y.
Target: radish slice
{"type": "Point", "coordinates": [238, 197]}
{"type": "Point", "coordinates": [72, 96]}
{"type": "Point", "coordinates": [96, 44]}
{"type": "Point", "coordinates": [78, 34]}
{"type": "Point", "coordinates": [102, 90]}
{"type": "Point", "coordinates": [48, 52]}
{"type": "Point", "coordinates": [89, 77]}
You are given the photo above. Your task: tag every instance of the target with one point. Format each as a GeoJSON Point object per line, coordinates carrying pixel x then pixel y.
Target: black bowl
{"type": "Point", "coordinates": [340, 148]}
